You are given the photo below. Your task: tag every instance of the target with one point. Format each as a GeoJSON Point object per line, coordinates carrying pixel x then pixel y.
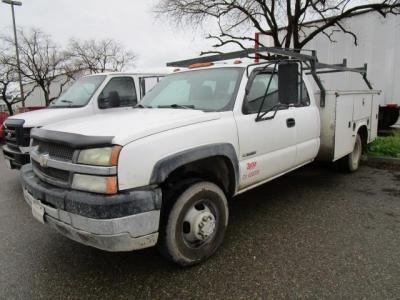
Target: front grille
{"type": "Point", "coordinates": [55, 151]}
{"type": "Point", "coordinates": [58, 175]}
{"type": "Point", "coordinates": [11, 137]}
{"type": "Point", "coordinates": [17, 136]}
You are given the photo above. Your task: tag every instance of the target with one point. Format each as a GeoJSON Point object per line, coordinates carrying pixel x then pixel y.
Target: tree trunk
{"type": "Point", "coordinates": [3, 95]}
{"type": "Point", "coordinates": [9, 107]}
{"type": "Point", "coordinates": [47, 98]}
{"type": "Point", "coordinates": [46, 95]}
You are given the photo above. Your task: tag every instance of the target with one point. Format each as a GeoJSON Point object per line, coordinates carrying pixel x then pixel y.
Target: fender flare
{"type": "Point", "coordinates": [165, 166]}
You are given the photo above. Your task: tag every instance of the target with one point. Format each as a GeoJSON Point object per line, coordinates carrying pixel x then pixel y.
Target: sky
{"type": "Point", "coordinates": [130, 22]}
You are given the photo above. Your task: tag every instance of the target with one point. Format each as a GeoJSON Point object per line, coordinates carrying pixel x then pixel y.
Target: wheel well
{"type": "Point", "coordinates": [216, 169]}
{"type": "Point", "coordinates": [363, 132]}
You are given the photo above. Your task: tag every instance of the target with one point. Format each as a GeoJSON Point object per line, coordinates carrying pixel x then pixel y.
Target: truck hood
{"type": "Point", "coordinates": [46, 116]}
{"type": "Point", "coordinates": [128, 126]}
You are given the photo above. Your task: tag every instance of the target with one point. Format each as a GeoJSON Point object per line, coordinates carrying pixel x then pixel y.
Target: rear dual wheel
{"type": "Point", "coordinates": [351, 162]}
{"type": "Point", "coordinates": [195, 225]}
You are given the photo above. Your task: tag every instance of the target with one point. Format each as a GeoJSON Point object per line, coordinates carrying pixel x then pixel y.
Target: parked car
{"type": "Point", "coordinates": [1, 132]}
{"type": "Point", "coordinates": [3, 117]}
{"type": "Point", "coordinates": [162, 173]}
{"type": "Point", "coordinates": [97, 94]}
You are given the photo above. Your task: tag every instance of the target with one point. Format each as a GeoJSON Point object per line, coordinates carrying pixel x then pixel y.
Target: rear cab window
{"type": "Point", "coordinates": [147, 83]}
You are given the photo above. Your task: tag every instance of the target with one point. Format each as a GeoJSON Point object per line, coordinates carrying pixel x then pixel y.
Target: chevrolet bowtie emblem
{"type": "Point", "coordinates": [43, 160]}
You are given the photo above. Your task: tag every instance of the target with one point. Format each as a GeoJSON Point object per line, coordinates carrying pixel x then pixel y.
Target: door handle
{"type": "Point", "coordinates": [290, 122]}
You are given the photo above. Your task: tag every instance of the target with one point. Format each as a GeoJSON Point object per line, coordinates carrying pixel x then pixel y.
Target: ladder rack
{"type": "Point", "coordinates": [313, 66]}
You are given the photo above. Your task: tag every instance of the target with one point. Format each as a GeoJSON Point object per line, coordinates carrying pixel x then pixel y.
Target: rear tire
{"type": "Point", "coordinates": [195, 225]}
{"type": "Point", "coordinates": [351, 162]}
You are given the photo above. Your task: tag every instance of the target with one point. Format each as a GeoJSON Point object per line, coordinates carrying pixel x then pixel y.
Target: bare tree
{"type": "Point", "coordinates": [99, 56]}
{"type": "Point", "coordinates": [43, 63]}
{"type": "Point", "coordinates": [8, 82]}
{"type": "Point", "coordinates": [7, 78]}
{"type": "Point", "coordinates": [286, 21]}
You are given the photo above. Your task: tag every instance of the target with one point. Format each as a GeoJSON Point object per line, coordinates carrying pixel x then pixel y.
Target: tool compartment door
{"type": "Point", "coordinates": [344, 139]}
{"type": "Point", "coordinates": [362, 106]}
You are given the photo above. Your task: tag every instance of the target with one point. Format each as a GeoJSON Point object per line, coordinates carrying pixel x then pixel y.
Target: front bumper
{"type": "Point", "coordinates": [15, 158]}
{"type": "Point", "coordinates": [129, 224]}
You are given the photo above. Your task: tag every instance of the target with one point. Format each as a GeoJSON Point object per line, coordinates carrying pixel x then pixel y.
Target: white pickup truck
{"type": "Point", "coordinates": [94, 94]}
{"type": "Point", "coordinates": [162, 173]}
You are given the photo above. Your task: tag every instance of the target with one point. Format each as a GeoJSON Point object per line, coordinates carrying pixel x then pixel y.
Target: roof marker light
{"type": "Point", "coordinates": [201, 65]}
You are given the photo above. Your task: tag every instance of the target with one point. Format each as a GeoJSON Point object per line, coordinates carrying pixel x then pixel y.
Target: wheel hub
{"type": "Point", "coordinates": [200, 224]}
{"type": "Point", "coordinates": [204, 225]}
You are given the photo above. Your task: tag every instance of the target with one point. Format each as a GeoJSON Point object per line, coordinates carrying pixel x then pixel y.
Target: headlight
{"type": "Point", "coordinates": [95, 184]}
{"type": "Point", "coordinates": [107, 156]}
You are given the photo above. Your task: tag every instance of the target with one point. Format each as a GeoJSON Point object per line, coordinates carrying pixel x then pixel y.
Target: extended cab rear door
{"type": "Point", "coordinates": [307, 123]}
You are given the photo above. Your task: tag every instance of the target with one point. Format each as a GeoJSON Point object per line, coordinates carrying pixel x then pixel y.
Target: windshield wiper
{"type": "Point", "coordinates": [57, 104]}
{"type": "Point", "coordinates": [69, 102]}
{"type": "Point", "coordinates": [139, 105]}
{"type": "Point", "coordinates": [177, 106]}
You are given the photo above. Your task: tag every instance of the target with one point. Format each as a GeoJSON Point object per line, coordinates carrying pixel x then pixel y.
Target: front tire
{"type": "Point", "coordinates": [195, 225]}
{"type": "Point", "coordinates": [351, 162]}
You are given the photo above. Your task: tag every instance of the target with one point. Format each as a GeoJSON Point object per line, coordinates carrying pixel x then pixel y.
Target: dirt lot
{"type": "Point", "coordinates": [313, 233]}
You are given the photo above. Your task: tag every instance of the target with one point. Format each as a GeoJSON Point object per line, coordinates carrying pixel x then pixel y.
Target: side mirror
{"type": "Point", "coordinates": [112, 100]}
{"type": "Point", "coordinates": [102, 101]}
{"type": "Point", "coordinates": [288, 82]}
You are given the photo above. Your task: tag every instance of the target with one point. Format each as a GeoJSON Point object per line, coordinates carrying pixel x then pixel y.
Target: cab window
{"type": "Point", "coordinates": [258, 90]}
{"type": "Point", "coordinates": [119, 92]}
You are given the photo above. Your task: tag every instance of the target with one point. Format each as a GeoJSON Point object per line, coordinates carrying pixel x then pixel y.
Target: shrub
{"type": "Point", "coordinates": [385, 146]}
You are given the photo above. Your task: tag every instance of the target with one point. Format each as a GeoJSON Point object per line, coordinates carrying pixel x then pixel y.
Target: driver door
{"type": "Point", "coordinates": [267, 147]}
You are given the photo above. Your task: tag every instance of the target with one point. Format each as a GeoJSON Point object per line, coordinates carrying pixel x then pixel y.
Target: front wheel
{"type": "Point", "coordinates": [195, 225]}
{"type": "Point", "coordinates": [351, 162]}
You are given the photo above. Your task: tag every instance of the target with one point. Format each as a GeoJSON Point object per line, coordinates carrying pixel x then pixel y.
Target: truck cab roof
{"type": "Point", "coordinates": [141, 71]}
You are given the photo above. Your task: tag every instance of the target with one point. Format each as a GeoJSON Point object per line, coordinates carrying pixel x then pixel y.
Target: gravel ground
{"type": "Point", "coordinates": [314, 233]}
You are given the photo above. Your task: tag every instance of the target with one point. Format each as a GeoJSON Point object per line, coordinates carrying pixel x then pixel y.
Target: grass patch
{"type": "Point", "coordinates": [385, 146]}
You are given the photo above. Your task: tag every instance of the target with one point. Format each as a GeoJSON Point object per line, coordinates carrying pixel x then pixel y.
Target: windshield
{"type": "Point", "coordinates": [206, 89]}
{"type": "Point", "coordinates": [79, 93]}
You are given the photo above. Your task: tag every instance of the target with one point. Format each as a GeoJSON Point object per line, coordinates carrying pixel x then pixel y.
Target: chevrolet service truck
{"type": "Point", "coordinates": [162, 173]}
{"type": "Point", "coordinates": [94, 94]}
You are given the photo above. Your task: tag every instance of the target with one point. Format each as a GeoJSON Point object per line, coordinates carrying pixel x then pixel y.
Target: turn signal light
{"type": "Point", "coordinates": [111, 186]}
{"type": "Point", "coordinates": [114, 155]}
